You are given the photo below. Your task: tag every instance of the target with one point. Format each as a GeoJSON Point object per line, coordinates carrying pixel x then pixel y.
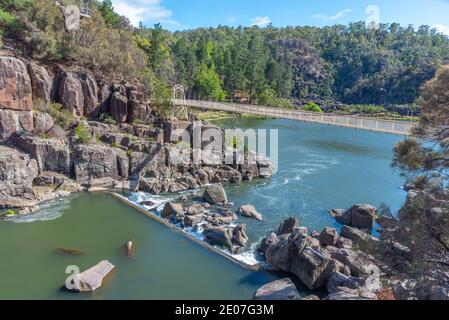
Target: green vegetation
{"type": "Point", "coordinates": [107, 118]}
{"type": "Point", "coordinates": [362, 109]}
{"type": "Point", "coordinates": [82, 133]}
{"type": "Point", "coordinates": [352, 64]}
{"type": "Point", "coordinates": [426, 153]}
{"type": "Point", "coordinates": [268, 97]}
{"type": "Point", "coordinates": [62, 116]}
{"type": "Point", "coordinates": [10, 213]}
{"type": "Point", "coordinates": [208, 84]}
{"type": "Point", "coordinates": [312, 107]}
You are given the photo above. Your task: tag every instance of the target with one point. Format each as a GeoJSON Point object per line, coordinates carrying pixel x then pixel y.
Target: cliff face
{"type": "Point", "coordinates": [61, 151]}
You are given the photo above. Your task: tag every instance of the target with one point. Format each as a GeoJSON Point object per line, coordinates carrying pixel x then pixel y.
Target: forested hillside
{"type": "Point", "coordinates": [351, 64]}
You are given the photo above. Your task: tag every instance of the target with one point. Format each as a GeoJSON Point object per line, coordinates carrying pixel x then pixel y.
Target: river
{"type": "Point", "coordinates": [320, 167]}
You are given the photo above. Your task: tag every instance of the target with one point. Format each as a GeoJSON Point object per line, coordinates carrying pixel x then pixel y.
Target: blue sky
{"type": "Point", "coordinates": [189, 14]}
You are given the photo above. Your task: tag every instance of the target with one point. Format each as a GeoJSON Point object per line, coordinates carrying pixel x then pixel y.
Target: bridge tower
{"type": "Point", "coordinates": [179, 106]}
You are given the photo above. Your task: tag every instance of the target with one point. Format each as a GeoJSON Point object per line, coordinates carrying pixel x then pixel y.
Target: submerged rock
{"type": "Point", "coordinates": [69, 251]}
{"type": "Point", "coordinates": [278, 290]}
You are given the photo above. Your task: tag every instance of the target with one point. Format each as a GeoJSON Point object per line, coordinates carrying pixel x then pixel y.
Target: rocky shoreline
{"type": "Point", "coordinates": [105, 135]}
{"type": "Point", "coordinates": [354, 265]}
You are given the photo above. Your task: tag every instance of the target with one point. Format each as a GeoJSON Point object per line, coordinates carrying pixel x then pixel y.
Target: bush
{"type": "Point", "coordinates": [10, 213]}
{"type": "Point", "coordinates": [62, 116]}
{"type": "Point", "coordinates": [312, 107]}
{"type": "Point", "coordinates": [107, 118]}
{"type": "Point", "coordinates": [82, 133]}
{"type": "Point", "coordinates": [268, 97]}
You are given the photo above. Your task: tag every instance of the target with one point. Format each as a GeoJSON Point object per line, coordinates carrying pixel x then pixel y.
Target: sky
{"type": "Point", "coordinates": [189, 14]}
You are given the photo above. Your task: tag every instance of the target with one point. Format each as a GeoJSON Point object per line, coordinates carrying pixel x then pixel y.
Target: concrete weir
{"type": "Point", "coordinates": [126, 201]}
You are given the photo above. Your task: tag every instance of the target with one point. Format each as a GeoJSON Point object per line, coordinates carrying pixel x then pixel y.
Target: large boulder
{"type": "Point", "coordinates": [15, 85]}
{"type": "Point", "coordinates": [138, 111]}
{"type": "Point", "coordinates": [172, 209]}
{"type": "Point", "coordinates": [96, 161]}
{"type": "Point", "coordinates": [43, 123]}
{"type": "Point", "coordinates": [240, 238]}
{"type": "Point", "coordinates": [12, 121]}
{"type": "Point", "coordinates": [50, 154]}
{"type": "Point", "coordinates": [215, 194]}
{"type": "Point", "coordinates": [279, 290]}
{"type": "Point", "coordinates": [174, 130]}
{"type": "Point", "coordinates": [250, 212]}
{"type": "Point", "coordinates": [219, 236]}
{"type": "Point", "coordinates": [119, 107]}
{"type": "Point", "coordinates": [311, 267]}
{"type": "Point", "coordinates": [329, 237]}
{"type": "Point", "coordinates": [288, 226]}
{"type": "Point", "coordinates": [360, 216]}
{"type": "Point", "coordinates": [267, 242]}
{"type": "Point", "coordinates": [363, 216]}
{"type": "Point", "coordinates": [71, 93]}
{"type": "Point", "coordinates": [42, 82]}
{"type": "Point", "coordinates": [360, 238]}
{"type": "Point", "coordinates": [91, 279]}
{"type": "Point", "coordinates": [17, 173]}
{"type": "Point", "coordinates": [90, 94]}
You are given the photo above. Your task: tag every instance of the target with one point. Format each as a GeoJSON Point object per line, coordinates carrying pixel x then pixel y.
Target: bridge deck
{"type": "Point", "coordinates": [388, 126]}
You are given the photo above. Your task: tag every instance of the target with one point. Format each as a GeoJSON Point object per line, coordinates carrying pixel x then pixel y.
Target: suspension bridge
{"type": "Point", "coordinates": [362, 123]}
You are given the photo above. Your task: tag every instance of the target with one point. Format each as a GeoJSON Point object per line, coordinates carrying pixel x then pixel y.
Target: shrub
{"type": "Point", "coordinates": [10, 213]}
{"type": "Point", "coordinates": [107, 118]}
{"type": "Point", "coordinates": [312, 107]}
{"type": "Point", "coordinates": [62, 116]}
{"type": "Point", "coordinates": [268, 97]}
{"type": "Point", "coordinates": [82, 133]}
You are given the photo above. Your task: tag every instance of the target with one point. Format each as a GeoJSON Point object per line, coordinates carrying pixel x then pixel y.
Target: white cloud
{"type": "Point", "coordinates": [335, 17]}
{"type": "Point", "coordinates": [150, 11]}
{"type": "Point", "coordinates": [441, 28]}
{"type": "Point", "coordinates": [261, 21]}
{"type": "Point", "coordinates": [231, 19]}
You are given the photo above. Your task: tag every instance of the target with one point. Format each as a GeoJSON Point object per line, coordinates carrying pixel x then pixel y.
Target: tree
{"type": "Point", "coordinates": [426, 152]}
{"type": "Point", "coordinates": [208, 84]}
{"type": "Point", "coordinates": [111, 18]}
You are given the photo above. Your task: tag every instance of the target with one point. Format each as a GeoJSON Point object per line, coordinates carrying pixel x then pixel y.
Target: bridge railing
{"type": "Point", "coordinates": [389, 126]}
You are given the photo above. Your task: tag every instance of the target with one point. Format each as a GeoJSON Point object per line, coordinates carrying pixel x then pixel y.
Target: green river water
{"type": "Point", "coordinates": [321, 167]}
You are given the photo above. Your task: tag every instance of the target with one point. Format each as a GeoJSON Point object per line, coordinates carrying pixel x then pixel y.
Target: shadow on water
{"type": "Point", "coordinates": [332, 145]}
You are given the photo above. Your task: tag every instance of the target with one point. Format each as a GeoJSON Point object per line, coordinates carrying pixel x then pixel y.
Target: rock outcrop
{"type": "Point", "coordinates": [215, 194]}
{"type": "Point", "coordinates": [91, 279]}
{"type": "Point", "coordinates": [278, 290]}
{"type": "Point", "coordinates": [17, 173]}
{"type": "Point", "coordinates": [50, 154]}
{"type": "Point", "coordinates": [93, 162]}
{"type": "Point", "coordinates": [318, 263]}
{"type": "Point", "coordinates": [12, 121]}
{"type": "Point", "coordinates": [15, 85]}
{"type": "Point", "coordinates": [360, 216]}
{"type": "Point", "coordinates": [250, 212]}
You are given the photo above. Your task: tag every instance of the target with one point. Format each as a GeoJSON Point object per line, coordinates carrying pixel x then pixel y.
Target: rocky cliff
{"type": "Point", "coordinates": [53, 140]}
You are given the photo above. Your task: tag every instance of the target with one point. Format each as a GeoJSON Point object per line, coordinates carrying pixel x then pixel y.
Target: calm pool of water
{"type": "Point", "coordinates": [167, 265]}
